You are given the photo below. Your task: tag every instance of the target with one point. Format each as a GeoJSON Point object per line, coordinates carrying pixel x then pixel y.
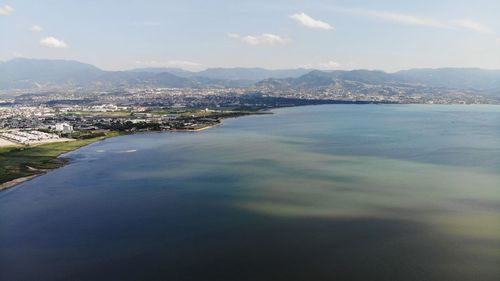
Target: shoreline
{"type": "Point", "coordinates": [195, 130]}
{"type": "Point", "coordinates": [39, 172]}
{"type": "Point", "coordinates": [14, 182]}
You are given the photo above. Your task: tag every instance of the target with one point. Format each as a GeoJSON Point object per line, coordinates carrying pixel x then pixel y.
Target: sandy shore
{"type": "Point", "coordinates": [17, 181]}
{"type": "Point", "coordinates": [4, 142]}
{"type": "Point", "coordinates": [195, 130]}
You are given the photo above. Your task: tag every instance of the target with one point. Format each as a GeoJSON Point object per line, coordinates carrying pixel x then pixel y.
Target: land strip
{"type": "Point", "coordinates": [21, 163]}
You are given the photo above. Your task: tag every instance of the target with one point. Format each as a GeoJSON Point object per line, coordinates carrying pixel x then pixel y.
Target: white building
{"type": "Point", "coordinates": [64, 128]}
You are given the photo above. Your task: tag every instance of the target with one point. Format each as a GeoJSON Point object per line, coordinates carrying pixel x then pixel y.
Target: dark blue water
{"type": "Point", "coordinates": [337, 192]}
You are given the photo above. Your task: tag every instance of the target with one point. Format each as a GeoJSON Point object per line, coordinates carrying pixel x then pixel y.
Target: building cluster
{"type": "Point", "coordinates": [171, 97]}
{"type": "Point", "coordinates": [65, 113]}
{"type": "Point", "coordinates": [341, 91]}
{"type": "Point", "coordinates": [75, 120]}
{"type": "Point", "coordinates": [64, 128]}
{"type": "Point", "coordinates": [28, 137]}
{"type": "Point", "coordinates": [349, 91]}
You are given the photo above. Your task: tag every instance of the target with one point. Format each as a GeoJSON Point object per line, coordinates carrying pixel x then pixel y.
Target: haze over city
{"type": "Point", "coordinates": [194, 35]}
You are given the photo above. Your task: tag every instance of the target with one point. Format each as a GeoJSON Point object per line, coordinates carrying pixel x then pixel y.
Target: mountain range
{"type": "Point", "coordinates": [22, 73]}
{"type": "Point", "coordinates": [235, 73]}
{"type": "Point", "coordinates": [485, 81]}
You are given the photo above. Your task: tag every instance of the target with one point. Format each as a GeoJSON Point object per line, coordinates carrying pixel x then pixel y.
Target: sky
{"type": "Point", "coordinates": [358, 34]}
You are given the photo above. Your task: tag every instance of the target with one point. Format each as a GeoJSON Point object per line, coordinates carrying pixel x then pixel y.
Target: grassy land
{"type": "Point", "coordinates": [200, 112]}
{"type": "Point", "coordinates": [220, 113]}
{"type": "Point", "coordinates": [17, 162]}
{"type": "Point", "coordinates": [162, 111]}
{"type": "Point", "coordinates": [109, 114]}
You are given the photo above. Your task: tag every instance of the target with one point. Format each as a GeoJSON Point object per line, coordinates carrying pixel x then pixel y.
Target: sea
{"type": "Point", "coordinates": [328, 192]}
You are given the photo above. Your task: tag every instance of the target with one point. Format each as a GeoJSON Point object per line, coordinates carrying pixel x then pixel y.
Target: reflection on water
{"type": "Point", "coordinates": [336, 192]}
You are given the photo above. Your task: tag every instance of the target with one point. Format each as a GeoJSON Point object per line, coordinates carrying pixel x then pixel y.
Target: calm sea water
{"type": "Point", "coordinates": [336, 192]}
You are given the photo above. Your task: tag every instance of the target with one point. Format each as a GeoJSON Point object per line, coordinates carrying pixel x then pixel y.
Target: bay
{"type": "Point", "coordinates": [331, 192]}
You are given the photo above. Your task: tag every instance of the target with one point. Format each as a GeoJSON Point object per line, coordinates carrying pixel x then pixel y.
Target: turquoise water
{"type": "Point", "coordinates": [334, 192]}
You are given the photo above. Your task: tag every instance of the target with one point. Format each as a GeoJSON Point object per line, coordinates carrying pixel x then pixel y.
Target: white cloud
{"type": "Point", "coordinates": [472, 25]}
{"type": "Point", "coordinates": [307, 21]}
{"type": "Point", "coordinates": [36, 28]}
{"type": "Point", "coordinates": [406, 19]}
{"type": "Point", "coordinates": [189, 65]}
{"type": "Point", "coordinates": [6, 10]}
{"type": "Point", "coordinates": [498, 41]}
{"type": "Point", "coordinates": [52, 42]}
{"type": "Point", "coordinates": [234, 35]}
{"type": "Point", "coordinates": [328, 65]}
{"type": "Point", "coordinates": [183, 64]}
{"type": "Point", "coordinates": [262, 39]}
{"type": "Point", "coordinates": [401, 18]}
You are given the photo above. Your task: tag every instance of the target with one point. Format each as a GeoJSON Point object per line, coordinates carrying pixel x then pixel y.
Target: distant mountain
{"type": "Point", "coordinates": [25, 73]}
{"type": "Point", "coordinates": [240, 73]}
{"type": "Point", "coordinates": [467, 78]}
{"type": "Point", "coordinates": [317, 78]}
{"type": "Point", "coordinates": [176, 71]}
{"type": "Point", "coordinates": [31, 73]}
{"type": "Point", "coordinates": [144, 79]}
{"type": "Point", "coordinates": [237, 73]}
{"type": "Point", "coordinates": [366, 76]}
{"type": "Point", "coordinates": [452, 78]}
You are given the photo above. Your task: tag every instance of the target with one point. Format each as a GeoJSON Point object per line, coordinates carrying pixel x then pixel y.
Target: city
{"type": "Point", "coordinates": [135, 109]}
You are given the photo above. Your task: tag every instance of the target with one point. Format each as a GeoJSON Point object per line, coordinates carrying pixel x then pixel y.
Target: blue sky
{"type": "Point", "coordinates": [386, 35]}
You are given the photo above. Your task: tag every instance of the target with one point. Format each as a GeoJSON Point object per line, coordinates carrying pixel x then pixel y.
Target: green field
{"type": "Point", "coordinates": [200, 112]}
{"type": "Point", "coordinates": [109, 114]}
{"type": "Point", "coordinates": [17, 162]}
{"type": "Point", "coordinates": [220, 113]}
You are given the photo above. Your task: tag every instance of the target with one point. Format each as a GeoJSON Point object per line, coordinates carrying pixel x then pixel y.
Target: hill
{"type": "Point", "coordinates": [25, 73]}
{"type": "Point", "coordinates": [487, 81]}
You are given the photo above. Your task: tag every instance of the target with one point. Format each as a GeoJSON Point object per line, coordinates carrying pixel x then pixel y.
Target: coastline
{"type": "Point", "coordinates": [41, 171]}
{"type": "Point", "coordinates": [195, 130]}
{"type": "Point", "coordinates": [14, 182]}
{"type": "Point", "coordinates": [38, 172]}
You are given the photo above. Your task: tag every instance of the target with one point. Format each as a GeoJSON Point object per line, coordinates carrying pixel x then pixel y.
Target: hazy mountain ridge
{"type": "Point", "coordinates": [24, 73]}
{"type": "Point", "coordinates": [176, 71]}
{"type": "Point", "coordinates": [451, 78]}
{"type": "Point", "coordinates": [234, 73]}
{"type": "Point", "coordinates": [471, 78]}
{"type": "Point", "coordinates": [30, 73]}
